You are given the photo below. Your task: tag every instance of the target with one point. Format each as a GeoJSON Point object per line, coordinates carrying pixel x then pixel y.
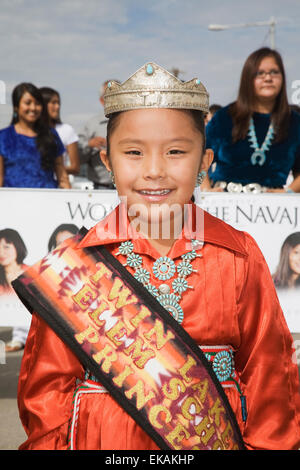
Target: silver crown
{"type": "Point", "coordinates": [154, 87]}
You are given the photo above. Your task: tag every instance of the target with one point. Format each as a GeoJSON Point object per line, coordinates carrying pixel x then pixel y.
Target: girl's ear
{"type": "Point", "coordinates": [207, 160]}
{"type": "Point", "coordinates": [105, 160]}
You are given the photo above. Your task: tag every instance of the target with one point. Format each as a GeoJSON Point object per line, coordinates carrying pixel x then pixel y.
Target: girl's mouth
{"type": "Point", "coordinates": [154, 195]}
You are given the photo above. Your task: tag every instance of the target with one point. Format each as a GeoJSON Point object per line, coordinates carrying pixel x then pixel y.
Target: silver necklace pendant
{"type": "Point", "coordinates": [258, 157]}
{"type": "Point", "coordinates": [164, 289]}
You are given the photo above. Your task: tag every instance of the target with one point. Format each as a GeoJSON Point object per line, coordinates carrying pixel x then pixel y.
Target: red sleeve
{"type": "Point", "coordinates": [47, 380]}
{"type": "Point", "coordinates": [266, 362]}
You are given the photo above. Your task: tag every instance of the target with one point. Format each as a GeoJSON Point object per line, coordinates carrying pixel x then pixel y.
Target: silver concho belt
{"type": "Point", "coordinates": [254, 188]}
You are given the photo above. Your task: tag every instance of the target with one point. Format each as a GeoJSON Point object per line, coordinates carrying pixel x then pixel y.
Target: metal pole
{"type": "Point", "coordinates": [272, 32]}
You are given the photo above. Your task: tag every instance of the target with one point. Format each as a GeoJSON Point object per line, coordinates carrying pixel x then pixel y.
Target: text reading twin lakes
{"type": "Point", "coordinates": [114, 339]}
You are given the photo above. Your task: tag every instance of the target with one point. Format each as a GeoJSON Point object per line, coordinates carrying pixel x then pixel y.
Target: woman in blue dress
{"type": "Point", "coordinates": [30, 151]}
{"type": "Point", "coordinates": [256, 139]}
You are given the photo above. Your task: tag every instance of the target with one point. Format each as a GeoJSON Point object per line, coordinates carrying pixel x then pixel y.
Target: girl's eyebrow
{"type": "Point", "coordinates": [139, 141]}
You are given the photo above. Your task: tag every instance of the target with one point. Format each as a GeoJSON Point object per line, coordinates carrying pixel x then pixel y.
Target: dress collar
{"type": "Point", "coordinates": [199, 225]}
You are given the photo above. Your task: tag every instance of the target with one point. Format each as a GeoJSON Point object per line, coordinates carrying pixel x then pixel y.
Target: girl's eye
{"type": "Point", "coordinates": [175, 152]}
{"type": "Point", "coordinates": [133, 152]}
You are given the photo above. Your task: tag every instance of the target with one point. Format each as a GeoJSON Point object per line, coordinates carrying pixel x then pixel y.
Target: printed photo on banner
{"type": "Point", "coordinates": [32, 224]}
{"type": "Point", "coordinates": [287, 275]}
{"type": "Point", "coordinates": [273, 220]}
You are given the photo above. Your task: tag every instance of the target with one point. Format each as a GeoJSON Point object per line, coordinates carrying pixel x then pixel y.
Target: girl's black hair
{"type": "Point", "coordinates": [61, 228]}
{"type": "Point", "coordinates": [48, 94]}
{"type": "Point", "coordinates": [13, 237]}
{"type": "Point", "coordinates": [45, 139]}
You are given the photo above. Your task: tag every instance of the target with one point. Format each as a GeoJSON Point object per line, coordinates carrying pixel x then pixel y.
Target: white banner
{"type": "Point", "coordinates": [273, 220]}
{"type": "Point", "coordinates": [35, 216]}
{"type": "Point", "coordinates": [38, 214]}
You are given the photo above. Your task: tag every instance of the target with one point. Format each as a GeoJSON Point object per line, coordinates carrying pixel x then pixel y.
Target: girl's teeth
{"type": "Point", "coordinates": [165, 191]}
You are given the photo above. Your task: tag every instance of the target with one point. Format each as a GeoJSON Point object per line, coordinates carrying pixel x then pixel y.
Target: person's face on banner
{"type": "Point", "coordinates": [62, 236]}
{"type": "Point", "coordinates": [8, 254]}
{"type": "Point", "coordinates": [295, 259]}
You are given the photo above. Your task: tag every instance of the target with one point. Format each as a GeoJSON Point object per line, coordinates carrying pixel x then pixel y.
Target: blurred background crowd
{"type": "Point", "coordinates": [255, 139]}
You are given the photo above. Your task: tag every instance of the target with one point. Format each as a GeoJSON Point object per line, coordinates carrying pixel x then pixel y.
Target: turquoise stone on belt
{"type": "Point", "coordinates": [223, 365]}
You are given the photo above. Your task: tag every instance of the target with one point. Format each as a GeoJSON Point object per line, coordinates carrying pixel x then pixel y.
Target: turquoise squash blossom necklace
{"type": "Point", "coordinates": [164, 268]}
{"type": "Point", "coordinates": [259, 156]}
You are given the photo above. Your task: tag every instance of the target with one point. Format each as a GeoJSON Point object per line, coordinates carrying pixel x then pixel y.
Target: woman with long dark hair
{"type": "Point", "coordinates": [12, 254]}
{"type": "Point", "coordinates": [256, 139]}
{"type": "Point", "coordinates": [30, 151]}
{"type": "Point", "coordinates": [65, 131]}
{"type": "Point", "coordinates": [287, 274]}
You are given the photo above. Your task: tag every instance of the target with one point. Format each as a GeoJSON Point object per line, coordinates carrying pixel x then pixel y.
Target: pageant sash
{"type": "Point", "coordinates": [132, 345]}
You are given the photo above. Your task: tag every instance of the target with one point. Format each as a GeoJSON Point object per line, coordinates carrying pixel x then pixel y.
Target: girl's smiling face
{"type": "Point", "coordinates": [29, 109]}
{"type": "Point", "coordinates": [155, 155]}
{"type": "Point", "coordinates": [53, 107]}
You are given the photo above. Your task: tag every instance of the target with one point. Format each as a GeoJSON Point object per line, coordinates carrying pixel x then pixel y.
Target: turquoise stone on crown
{"type": "Point", "coordinates": [149, 69]}
{"type": "Point", "coordinates": [198, 82]}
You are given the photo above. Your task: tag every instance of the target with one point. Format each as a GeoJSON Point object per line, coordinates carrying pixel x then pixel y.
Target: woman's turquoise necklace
{"type": "Point", "coordinates": [164, 268]}
{"type": "Point", "coordinates": [259, 156]}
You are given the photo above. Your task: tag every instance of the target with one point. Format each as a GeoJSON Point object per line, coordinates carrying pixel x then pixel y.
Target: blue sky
{"type": "Point", "coordinates": [74, 45]}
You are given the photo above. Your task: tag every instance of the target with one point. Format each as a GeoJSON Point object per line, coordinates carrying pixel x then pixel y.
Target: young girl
{"type": "Point", "coordinates": [66, 132]}
{"type": "Point", "coordinates": [30, 152]}
{"type": "Point", "coordinates": [226, 300]}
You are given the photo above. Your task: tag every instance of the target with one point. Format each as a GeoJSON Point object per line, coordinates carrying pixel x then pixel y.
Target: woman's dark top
{"type": "Point", "coordinates": [233, 160]}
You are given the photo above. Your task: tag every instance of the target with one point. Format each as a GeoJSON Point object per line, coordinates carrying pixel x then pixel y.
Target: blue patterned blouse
{"type": "Point", "coordinates": [233, 160]}
{"type": "Point", "coordinates": [22, 161]}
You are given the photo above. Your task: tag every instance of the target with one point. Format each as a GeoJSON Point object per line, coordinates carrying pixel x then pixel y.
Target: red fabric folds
{"type": "Point", "coordinates": [233, 302]}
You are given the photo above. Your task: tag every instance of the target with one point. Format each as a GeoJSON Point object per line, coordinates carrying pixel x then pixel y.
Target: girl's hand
{"type": "Point", "coordinates": [275, 190]}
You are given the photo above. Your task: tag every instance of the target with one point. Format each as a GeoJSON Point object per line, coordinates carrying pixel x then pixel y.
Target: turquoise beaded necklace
{"type": "Point", "coordinates": [259, 155]}
{"type": "Point", "coordinates": [164, 269]}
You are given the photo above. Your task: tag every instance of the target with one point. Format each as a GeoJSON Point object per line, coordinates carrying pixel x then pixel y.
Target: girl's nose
{"type": "Point", "coordinates": [154, 166]}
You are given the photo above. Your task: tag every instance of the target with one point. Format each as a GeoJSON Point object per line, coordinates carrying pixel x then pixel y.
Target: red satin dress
{"type": "Point", "coordinates": [233, 302]}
